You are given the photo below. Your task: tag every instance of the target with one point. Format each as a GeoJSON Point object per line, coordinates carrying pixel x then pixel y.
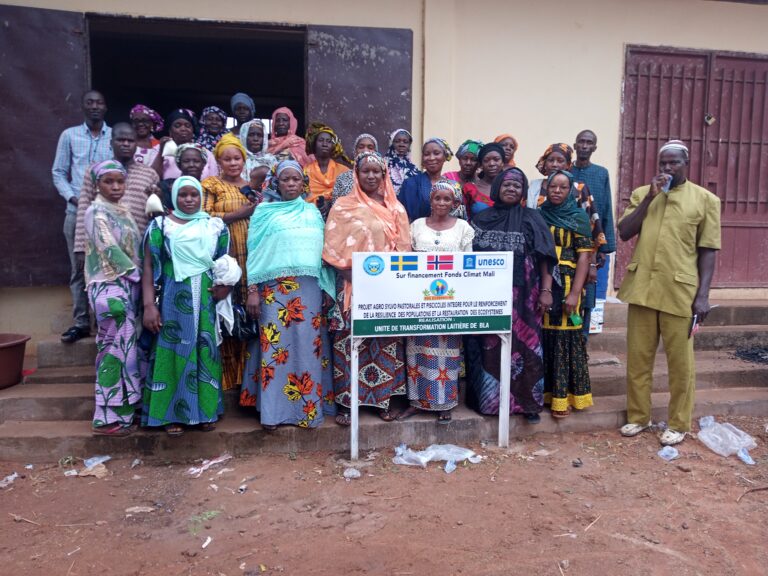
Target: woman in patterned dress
{"type": "Point", "coordinates": [112, 274]}
{"type": "Point", "coordinates": [434, 361]}
{"type": "Point", "coordinates": [225, 198]}
{"type": "Point", "coordinates": [369, 219]}
{"type": "Point", "coordinates": [288, 374]}
{"type": "Point", "coordinates": [566, 374]}
{"type": "Point", "coordinates": [183, 385]}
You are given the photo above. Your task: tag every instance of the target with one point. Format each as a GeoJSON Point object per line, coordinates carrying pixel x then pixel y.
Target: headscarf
{"type": "Point", "coordinates": [317, 128]}
{"type": "Point", "coordinates": [157, 120]}
{"type": "Point", "coordinates": [255, 159]}
{"type": "Point", "coordinates": [459, 210]}
{"type": "Point", "coordinates": [293, 143]}
{"type": "Point", "coordinates": [356, 221]}
{"type": "Point", "coordinates": [285, 238]}
{"type": "Point", "coordinates": [288, 165]}
{"type": "Point", "coordinates": [363, 136]}
{"type": "Point", "coordinates": [229, 140]}
{"type": "Point", "coordinates": [100, 168]}
{"type": "Point", "coordinates": [400, 168]}
{"type": "Point", "coordinates": [242, 98]}
{"type": "Point", "coordinates": [184, 113]}
{"type": "Point", "coordinates": [567, 215]}
{"type": "Point", "coordinates": [471, 146]}
{"type": "Point", "coordinates": [498, 140]}
{"type": "Point", "coordinates": [191, 146]}
{"type": "Point", "coordinates": [113, 242]}
{"type": "Point", "coordinates": [206, 139]}
{"type": "Point", "coordinates": [675, 145]}
{"type": "Point", "coordinates": [191, 245]}
{"type": "Point", "coordinates": [564, 149]}
{"type": "Point", "coordinates": [487, 149]}
{"type": "Point", "coordinates": [504, 227]}
{"type": "Point", "coordinates": [443, 144]}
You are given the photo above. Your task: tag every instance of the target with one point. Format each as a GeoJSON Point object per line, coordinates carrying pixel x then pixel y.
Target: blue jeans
{"type": "Point", "coordinates": [76, 277]}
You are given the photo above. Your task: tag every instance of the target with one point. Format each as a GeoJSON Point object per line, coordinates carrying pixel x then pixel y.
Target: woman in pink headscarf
{"type": "Point", "coordinates": [283, 141]}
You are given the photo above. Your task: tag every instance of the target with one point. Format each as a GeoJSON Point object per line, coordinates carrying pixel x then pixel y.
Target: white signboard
{"type": "Point", "coordinates": [407, 293]}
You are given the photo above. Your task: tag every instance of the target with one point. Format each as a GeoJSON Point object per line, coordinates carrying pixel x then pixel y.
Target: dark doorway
{"type": "Point", "coordinates": [168, 64]}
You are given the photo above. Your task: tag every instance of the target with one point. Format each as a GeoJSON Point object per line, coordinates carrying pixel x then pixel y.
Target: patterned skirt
{"type": "Point", "coordinates": [433, 371]}
{"type": "Point", "coordinates": [566, 373]}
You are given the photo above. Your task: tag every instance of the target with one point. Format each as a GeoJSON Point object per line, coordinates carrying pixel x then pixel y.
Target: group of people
{"type": "Point", "coordinates": [217, 259]}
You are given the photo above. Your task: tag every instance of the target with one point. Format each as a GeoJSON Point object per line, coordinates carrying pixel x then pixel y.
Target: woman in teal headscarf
{"type": "Point", "coordinates": [183, 385]}
{"type": "Point", "coordinates": [288, 376]}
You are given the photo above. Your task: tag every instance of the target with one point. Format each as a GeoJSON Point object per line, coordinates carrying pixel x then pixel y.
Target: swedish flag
{"type": "Point", "coordinates": [404, 263]}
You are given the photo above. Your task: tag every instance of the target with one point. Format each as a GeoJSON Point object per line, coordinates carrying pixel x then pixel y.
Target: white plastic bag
{"type": "Point", "coordinates": [434, 452]}
{"type": "Point", "coordinates": [724, 439]}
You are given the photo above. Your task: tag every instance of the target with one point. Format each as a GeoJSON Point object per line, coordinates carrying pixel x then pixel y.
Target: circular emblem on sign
{"type": "Point", "coordinates": [438, 287]}
{"type": "Point", "coordinates": [373, 265]}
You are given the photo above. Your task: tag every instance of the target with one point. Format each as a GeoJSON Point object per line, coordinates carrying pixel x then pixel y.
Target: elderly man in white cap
{"type": "Point", "coordinates": [667, 287]}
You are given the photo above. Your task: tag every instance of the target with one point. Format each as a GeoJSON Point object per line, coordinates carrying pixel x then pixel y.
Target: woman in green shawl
{"type": "Point", "coordinates": [566, 375]}
{"type": "Point", "coordinates": [288, 375]}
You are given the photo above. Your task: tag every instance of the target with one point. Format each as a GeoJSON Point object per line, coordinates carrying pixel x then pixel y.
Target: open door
{"type": "Point", "coordinates": [43, 68]}
{"type": "Point", "coordinates": [359, 80]}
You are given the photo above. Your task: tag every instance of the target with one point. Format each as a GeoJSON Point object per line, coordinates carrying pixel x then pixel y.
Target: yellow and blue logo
{"type": "Point", "coordinates": [404, 263]}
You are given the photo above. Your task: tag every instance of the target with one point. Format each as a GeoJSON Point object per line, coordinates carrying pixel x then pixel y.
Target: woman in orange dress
{"type": "Point", "coordinates": [326, 147]}
{"type": "Point", "coordinates": [225, 198]}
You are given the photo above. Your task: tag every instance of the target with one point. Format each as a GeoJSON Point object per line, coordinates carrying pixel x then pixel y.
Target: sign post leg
{"type": "Point", "coordinates": [354, 399]}
{"type": "Point", "coordinates": [506, 367]}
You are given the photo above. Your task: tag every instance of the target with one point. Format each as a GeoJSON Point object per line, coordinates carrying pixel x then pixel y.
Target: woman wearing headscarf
{"type": "Point", "coordinates": [467, 173]}
{"type": "Point", "coordinates": [112, 275]}
{"type": "Point", "coordinates": [223, 198]}
{"type": "Point", "coordinates": [434, 362]}
{"type": "Point", "coordinates": [146, 122]}
{"type": "Point", "coordinates": [287, 379]}
{"type": "Point", "coordinates": [566, 374]}
{"type": "Point", "coordinates": [491, 162]}
{"type": "Point", "coordinates": [284, 143]}
{"type": "Point", "coordinates": [243, 110]}
{"type": "Point", "coordinates": [213, 122]}
{"type": "Point", "coordinates": [344, 181]}
{"type": "Point", "coordinates": [191, 158]}
{"type": "Point", "coordinates": [509, 226]}
{"type": "Point", "coordinates": [509, 143]}
{"type": "Point", "coordinates": [416, 190]}
{"type": "Point", "coordinates": [182, 127]}
{"type": "Point", "coordinates": [181, 251]}
{"type": "Point", "coordinates": [398, 157]}
{"type": "Point", "coordinates": [254, 140]}
{"type": "Point", "coordinates": [370, 219]}
{"type": "Point", "coordinates": [558, 156]}
{"type": "Point", "coordinates": [324, 144]}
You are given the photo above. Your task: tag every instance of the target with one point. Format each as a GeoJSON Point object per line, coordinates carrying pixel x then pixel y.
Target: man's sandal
{"type": "Point", "coordinates": [672, 437]}
{"type": "Point", "coordinates": [630, 430]}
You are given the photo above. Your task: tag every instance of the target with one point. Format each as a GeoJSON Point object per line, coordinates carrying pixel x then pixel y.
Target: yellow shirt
{"type": "Point", "coordinates": [663, 273]}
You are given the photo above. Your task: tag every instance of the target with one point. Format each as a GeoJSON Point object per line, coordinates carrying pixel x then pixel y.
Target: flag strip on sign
{"type": "Point", "coordinates": [404, 263]}
{"type": "Point", "coordinates": [436, 262]}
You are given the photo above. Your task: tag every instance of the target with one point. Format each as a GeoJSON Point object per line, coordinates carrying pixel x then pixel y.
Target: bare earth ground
{"type": "Point", "coordinates": [527, 510]}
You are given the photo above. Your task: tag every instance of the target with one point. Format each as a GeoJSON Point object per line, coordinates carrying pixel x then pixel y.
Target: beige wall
{"type": "Point", "coordinates": [542, 71]}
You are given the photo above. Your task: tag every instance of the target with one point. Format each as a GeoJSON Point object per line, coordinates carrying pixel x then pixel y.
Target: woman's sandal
{"type": "Point", "coordinates": [269, 427]}
{"type": "Point", "coordinates": [207, 426]}
{"type": "Point", "coordinates": [407, 413]}
{"type": "Point", "coordinates": [444, 417]}
{"type": "Point", "coordinates": [343, 419]}
{"type": "Point", "coordinates": [561, 414]}
{"type": "Point", "coordinates": [386, 415]}
{"type": "Point", "coordinates": [116, 429]}
{"type": "Point", "coordinates": [174, 430]}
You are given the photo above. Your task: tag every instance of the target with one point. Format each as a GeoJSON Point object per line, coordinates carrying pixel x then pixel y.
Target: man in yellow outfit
{"type": "Point", "coordinates": [667, 286]}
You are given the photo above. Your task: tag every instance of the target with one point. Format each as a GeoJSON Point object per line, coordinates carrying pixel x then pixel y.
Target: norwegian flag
{"type": "Point", "coordinates": [436, 262]}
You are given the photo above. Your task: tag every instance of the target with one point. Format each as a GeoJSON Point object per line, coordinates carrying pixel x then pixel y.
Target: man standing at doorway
{"type": "Point", "coordinates": [78, 148]}
{"type": "Point", "coordinates": [140, 182]}
{"type": "Point", "coordinates": [597, 180]}
{"type": "Point", "coordinates": [667, 287]}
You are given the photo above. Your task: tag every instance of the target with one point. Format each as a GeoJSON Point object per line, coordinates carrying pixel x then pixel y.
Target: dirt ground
{"type": "Point", "coordinates": [529, 510]}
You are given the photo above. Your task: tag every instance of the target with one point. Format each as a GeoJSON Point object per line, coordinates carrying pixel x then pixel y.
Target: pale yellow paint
{"type": "Point", "coordinates": [539, 70]}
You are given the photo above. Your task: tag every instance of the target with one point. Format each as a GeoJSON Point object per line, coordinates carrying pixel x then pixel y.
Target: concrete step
{"type": "Point", "coordinates": [48, 441]}
{"type": "Point", "coordinates": [52, 353]}
{"type": "Point", "coordinates": [727, 313]}
{"type": "Point", "coordinates": [62, 375]}
{"type": "Point", "coordinates": [614, 340]}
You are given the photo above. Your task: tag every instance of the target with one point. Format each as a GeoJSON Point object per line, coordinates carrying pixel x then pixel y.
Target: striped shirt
{"type": "Point", "coordinates": [599, 184]}
{"type": "Point", "coordinates": [139, 179]}
{"type": "Point", "coordinates": [76, 151]}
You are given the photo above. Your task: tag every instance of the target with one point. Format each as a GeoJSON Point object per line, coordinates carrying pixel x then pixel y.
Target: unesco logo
{"type": "Point", "coordinates": [470, 262]}
{"type": "Point", "coordinates": [373, 265]}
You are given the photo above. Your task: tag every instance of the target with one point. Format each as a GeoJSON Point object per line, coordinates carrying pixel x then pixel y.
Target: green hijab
{"type": "Point", "coordinates": [567, 215]}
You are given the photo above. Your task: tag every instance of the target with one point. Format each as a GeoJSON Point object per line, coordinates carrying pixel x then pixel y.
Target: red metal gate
{"type": "Point", "coordinates": [718, 104]}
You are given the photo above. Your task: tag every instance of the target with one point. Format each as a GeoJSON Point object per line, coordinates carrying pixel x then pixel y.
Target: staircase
{"type": "Point", "coordinates": [48, 416]}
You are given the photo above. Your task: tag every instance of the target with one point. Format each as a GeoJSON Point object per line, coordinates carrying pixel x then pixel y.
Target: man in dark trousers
{"type": "Point", "coordinates": [667, 287]}
{"type": "Point", "coordinates": [597, 180]}
{"type": "Point", "coordinates": [78, 148]}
